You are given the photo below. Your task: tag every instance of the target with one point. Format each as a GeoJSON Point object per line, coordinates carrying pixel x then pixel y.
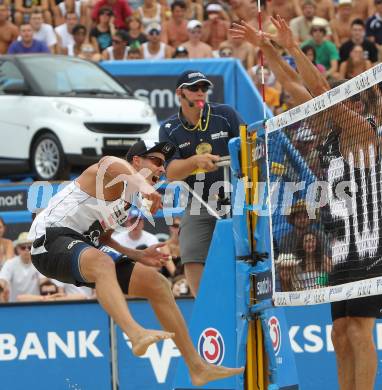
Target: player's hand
{"type": "Point", "coordinates": [284, 36]}
{"type": "Point", "coordinates": [206, 161]}
{"type": "Point", "coordinates": [248, 33]}
{"type": "Point", "coordinates": [152, 257]}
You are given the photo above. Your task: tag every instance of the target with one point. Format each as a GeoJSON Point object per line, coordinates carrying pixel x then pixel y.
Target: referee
{"type": "Point", "coordinates": [201, 132]}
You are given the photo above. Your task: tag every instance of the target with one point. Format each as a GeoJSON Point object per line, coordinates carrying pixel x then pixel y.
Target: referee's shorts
{"type": "Point", "coordinates": [195, 235]}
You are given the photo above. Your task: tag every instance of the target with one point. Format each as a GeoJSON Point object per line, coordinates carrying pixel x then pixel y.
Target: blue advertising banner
{"type": "Point", "coordinates": [54, 347]}
{"type": "Point", "coordinates": [66, 347]}
{"type": "Point", "coordinates": [309, 333]}
{"type": "Point", "coordinates": [154, 82]}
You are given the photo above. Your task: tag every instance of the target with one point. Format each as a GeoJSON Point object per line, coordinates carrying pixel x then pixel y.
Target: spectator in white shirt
{"type": "Point", "coordinates": [19, 276]}
{"type": "Point", "coordinates": [135, 236]}
{"type": "Point", "coordinates": [64, 31]}
{"type": "Point", "coordinates": [42, 31]}
{"type": "Point", "coordinates": [53, 290]}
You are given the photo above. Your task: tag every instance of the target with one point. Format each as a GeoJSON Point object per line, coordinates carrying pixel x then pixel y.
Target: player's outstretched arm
{"type": "Point", "coordinates": [287, 77]}
{"type": "Point", "coordinates": [311, 76]}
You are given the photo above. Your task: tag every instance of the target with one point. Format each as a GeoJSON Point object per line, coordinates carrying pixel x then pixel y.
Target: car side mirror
{"type": "Point", "coordinates": [15, 87]}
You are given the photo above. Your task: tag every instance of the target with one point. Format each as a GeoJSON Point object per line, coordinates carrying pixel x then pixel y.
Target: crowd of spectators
{"type": "Point", "coordinates": [342, 37]}
{"type": "Point", "coordinates": [21, 282]}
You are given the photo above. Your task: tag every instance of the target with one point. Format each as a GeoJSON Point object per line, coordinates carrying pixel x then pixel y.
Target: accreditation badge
{"type": "Point", "coordinates": [204, 148]}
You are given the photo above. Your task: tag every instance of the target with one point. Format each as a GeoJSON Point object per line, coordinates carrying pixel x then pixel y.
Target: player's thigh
{"type": "Point", "coordinates": [147, 282]}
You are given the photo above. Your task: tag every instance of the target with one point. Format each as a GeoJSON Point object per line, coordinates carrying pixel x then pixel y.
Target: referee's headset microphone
{"type": "Point", "coordinates": [190, 103]}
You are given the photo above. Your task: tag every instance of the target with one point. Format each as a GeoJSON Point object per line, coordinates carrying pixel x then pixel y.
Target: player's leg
{"type": "Point", "coordinates": [362, 313]}
{"type": "Point", "coordinates": [360, 333]}
{"type": "Point", "coordinates": [342, 347]}
{"type": "Point", "coordinates": [97, 267]}
{"type": "Point", "coordinates": [148, 283]}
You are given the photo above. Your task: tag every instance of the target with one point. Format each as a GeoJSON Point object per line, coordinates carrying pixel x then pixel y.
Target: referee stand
{"type": "Point", "coordinates": [234, 322]}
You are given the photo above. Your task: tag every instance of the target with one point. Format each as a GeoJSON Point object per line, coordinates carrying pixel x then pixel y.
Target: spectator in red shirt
{"type": "Point", "coordinates": [121, 11]}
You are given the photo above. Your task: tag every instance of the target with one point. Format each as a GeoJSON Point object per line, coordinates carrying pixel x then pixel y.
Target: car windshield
{"type": "Point", "coordinates": [66, 76]}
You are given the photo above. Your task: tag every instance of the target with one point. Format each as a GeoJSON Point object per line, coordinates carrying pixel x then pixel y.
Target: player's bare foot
{"type": "Point", "coordinates": [210, 372]}
{"type": "Point", "coordinates": [144, 339]}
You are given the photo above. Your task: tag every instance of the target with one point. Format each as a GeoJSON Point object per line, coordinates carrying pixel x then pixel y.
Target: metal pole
{"type": "Point", "coordinates": [114, 356]}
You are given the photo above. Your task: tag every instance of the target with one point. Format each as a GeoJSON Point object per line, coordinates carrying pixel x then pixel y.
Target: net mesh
{"type": "Point", "coordinates": [324, 162]}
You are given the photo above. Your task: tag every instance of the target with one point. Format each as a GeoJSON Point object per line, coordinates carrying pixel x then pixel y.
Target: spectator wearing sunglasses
{"type": "Point", "coordinates": [118, 50]}
{"type": "Point", "coordinates": [196, 48]}
{"type": "Point", "coordinates": [101, 34]}
{"type": "Point", "coordinates": [202, 131]}
{"type": "Point", "coordinates": [121, 11]}
{"type": "Point", "coordinates": [19, 276]}
{"type": "Point", "coordinates": [154, 49]}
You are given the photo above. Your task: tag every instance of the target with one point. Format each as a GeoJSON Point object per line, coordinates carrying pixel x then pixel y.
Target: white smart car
{"type": "Point", "coordinates": [58, 111]}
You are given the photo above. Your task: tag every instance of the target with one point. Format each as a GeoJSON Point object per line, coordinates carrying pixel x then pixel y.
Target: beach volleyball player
{"type": "Point", "coordinates": [72, 243]}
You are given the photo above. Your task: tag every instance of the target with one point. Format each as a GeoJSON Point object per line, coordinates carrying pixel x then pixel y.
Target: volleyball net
{"type": "Point", "coordinates": [324, 172]}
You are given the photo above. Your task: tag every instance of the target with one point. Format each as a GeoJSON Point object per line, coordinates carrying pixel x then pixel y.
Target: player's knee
{"type": "Point", "coordinates": [103, 266]}
{"type": "Point", "coordinates": [158, 285]}
{"type": "Point", "coordinates": [339, 334]}
{"type": "Point", "coordinates": [359, 330]}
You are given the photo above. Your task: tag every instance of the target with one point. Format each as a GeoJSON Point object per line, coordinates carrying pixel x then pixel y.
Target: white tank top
{"type": "Point", "coordinates": [146, 20]}
{"type": "Point", "coordinates": [110, 51]}
{"type": "Point", "coordinates": [75, 209]}
{"type": "Point", "coordinates": [71, 50]}
{"type": "Point", "coordinates": [161, 55]}
{"type": "Point", "coordinates": [77, 8]}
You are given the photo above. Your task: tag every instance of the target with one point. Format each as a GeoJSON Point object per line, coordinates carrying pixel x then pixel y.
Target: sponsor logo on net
{"type": "Point", "coordinates": [211, 346]}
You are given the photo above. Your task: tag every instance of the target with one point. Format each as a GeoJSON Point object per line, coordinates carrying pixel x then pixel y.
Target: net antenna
{"type": "Point", "coordinates": [261, 58]}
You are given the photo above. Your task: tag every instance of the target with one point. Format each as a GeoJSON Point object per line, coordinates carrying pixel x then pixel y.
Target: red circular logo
{"type": "Point", "coordinates": [211, 346]}
{"type": "Point", "coordinates": [275, 333]}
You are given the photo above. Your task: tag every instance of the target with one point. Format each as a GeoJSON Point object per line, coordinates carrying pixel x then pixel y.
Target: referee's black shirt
{"type": "Point", "coordinates": [223, 125]}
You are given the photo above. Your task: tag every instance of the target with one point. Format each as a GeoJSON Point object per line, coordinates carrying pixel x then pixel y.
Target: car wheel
{"type": "Point", "coordinates": [48, 159]}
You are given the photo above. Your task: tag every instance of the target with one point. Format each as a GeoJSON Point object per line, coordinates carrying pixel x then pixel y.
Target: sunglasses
{"type": "Point", "coordinates": [154, 32]}
{"type": "Point", "coordinates": [106, 13]}
{"type": "Point", "coordinates": [25, 247]}
{"type": "Point", "coordinates": [45, 293]}
{"type": "Point", "coordinates": [157, 161]}
{"type": "Point", "coordinates": [226, 53]}
{"type": "Point", "coordinates": [318, 29]}
{"type": "Point", "coordinates": [196, 87]}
